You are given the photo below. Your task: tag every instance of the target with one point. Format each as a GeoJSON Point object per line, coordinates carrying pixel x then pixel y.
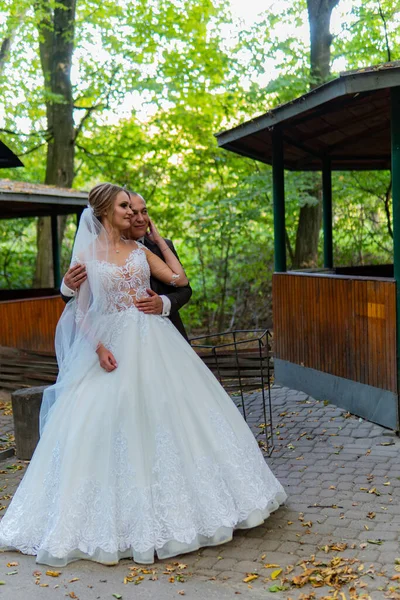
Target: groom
{"type": "Point", "coordinates": [163, 299]}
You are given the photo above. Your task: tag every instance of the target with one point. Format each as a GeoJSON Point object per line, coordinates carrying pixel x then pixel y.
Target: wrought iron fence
{"type": "Point", "coordinates": [241, 360]}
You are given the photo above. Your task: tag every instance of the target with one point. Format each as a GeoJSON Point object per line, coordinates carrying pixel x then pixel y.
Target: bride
{"type": "Point", "coordinates": [142, 452]}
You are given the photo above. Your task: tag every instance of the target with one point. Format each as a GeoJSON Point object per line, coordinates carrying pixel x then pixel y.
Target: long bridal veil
{"type": "Point", "coordinates": [81, 326]}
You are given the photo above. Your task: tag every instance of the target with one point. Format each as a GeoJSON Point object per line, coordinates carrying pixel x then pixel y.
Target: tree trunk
{"type": "Point", "coordinates": [310, 216]}
{"type": "Point", "coordinates": [307, 235]}
{"type": "Point", "coordinates": [56, 30]}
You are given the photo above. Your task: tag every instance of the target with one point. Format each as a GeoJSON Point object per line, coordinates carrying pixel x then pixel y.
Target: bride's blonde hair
{"type": "Point", "coordinates": [101, 198]}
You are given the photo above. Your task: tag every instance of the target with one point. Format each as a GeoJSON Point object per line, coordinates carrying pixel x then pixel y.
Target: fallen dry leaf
{"type": "Point", "coordinates": [250, 577]}
{"type": "Point", "coordinates": [53, 573]}
{"type": "Point", "coordinates": [275, 574]}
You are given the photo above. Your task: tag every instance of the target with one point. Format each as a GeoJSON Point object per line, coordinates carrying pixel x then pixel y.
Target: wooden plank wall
{"type": "Point", "coordinates": [340, 325]}
{"type": "Point", "coordinates": [30, 324]}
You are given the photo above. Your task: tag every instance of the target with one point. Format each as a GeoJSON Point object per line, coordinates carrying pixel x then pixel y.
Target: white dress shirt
{"type": "Point", "coordinates": [166, 310]}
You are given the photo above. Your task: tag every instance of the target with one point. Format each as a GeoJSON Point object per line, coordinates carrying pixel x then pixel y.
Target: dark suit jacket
{"type": "Point", "coordinates": [178, 296]}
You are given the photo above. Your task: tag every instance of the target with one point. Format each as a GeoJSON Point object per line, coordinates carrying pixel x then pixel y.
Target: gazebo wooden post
{"type": "Point", "coordinates": [56, 251]}
{"type": "Point", "coordinates": [278, 183]}
{"type": "Point", "coordinates": [395, 134]}
{"type": "Point", "coordinates": [327, 212]}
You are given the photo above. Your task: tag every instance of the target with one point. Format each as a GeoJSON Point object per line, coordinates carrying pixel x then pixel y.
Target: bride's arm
{"type": "Point", "coordinates": [170, 271]}
{"type": "Point", "coordinates": [86, 322]}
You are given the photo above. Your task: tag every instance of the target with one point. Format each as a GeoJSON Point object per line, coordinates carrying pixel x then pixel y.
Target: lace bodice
{"type": "Point", "coordinates": [122, 285]}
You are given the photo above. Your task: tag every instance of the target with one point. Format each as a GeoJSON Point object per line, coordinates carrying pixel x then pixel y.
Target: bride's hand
{"type": "Point", "coordinates": [106, 358]}
{"type": "Point", "coordinates": [153, 234]}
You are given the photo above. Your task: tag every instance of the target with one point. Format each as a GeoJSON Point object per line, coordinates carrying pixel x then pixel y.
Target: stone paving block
{"type": "Point", "coordinates": [213, 552]}
{"type": "Point", "coordinates": [247, 566]}
{"type": "Point", "coordinates": [324, 493]}
{"type": "Point", "coordinates": [389, 557]}
{"type": "Point", "coordinates": [205, 573]}
{"type": "Point", "coordinates": [373, 584]}
{"type": "Point", "coordinates": [322, 528]}
{"type": "Point", "coordinates": [392, 508]}
{"type": "Point", "coordinates": [230, 576]}
{"type": "Point", "coordinates": [251, 543]}
{"type": "Point", "coordinates": [345, 485]}
{"type": "Point", "coordinates": [315, 518]}
{"type": "Point", "coordinates": [382, 535]}
{"type": "Point", "coordinates": [206, 562]}
{"type": "Point", "coordinates": [241, 553]}
{"type": "Point", "coordinates": [257, 532]}
{"type": "Point", "coordinates": [338, 522]}
{"type": "Point", "coordinates": [225, 564]}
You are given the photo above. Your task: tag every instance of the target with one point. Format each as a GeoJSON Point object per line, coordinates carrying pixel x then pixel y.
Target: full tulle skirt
{"type": "Point", "coordinates": [153, 459]}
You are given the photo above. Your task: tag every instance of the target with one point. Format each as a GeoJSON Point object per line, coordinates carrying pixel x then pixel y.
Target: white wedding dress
{"type": "Point", "coordinates": [150, 459]}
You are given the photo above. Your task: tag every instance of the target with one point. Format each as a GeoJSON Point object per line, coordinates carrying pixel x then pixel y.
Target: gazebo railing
{"type": "Point", "coordinates": [241, 361]}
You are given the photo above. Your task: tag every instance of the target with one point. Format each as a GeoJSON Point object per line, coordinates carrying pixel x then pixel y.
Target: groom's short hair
{"type": "Point", "coordinates": [137, 195]}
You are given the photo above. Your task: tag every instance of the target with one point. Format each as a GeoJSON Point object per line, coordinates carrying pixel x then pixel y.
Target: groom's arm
{"type": "Point", "coordinates": [72, 281]}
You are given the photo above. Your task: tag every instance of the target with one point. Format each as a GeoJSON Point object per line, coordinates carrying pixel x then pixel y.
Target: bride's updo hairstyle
{"type": "Point", "coordinates": [101, 199]}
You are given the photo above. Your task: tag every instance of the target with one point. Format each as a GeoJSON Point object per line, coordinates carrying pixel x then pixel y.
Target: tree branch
{"type": "Point", "coordinates": [99, 154]}
{"type": "Point", "coordinates": [19, 133]}
{"type": "Point", "coordinates": [85, 118]}
{"type": "Point", "coordinates": [99, 105]}
{"type": "Point", "coordinates": [33, 149]}
{"type": "Point", "coordinates": [386, 32]}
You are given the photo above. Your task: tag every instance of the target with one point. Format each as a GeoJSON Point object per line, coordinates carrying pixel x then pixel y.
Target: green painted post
{"type": "Point", "coordinates": [278, 183]}
{"type": "Point", "coordinates": [395, 127]}
{"type": "Point", "coordinates": [327, 212]}
{"type": "Point", "coordinates": [56, 252]}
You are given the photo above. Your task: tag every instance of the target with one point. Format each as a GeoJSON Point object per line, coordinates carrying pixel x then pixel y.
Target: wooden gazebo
{"type": "Point", "coordinates": [337, 330]}
{"type": "Point", "coordinates": [28, 317]}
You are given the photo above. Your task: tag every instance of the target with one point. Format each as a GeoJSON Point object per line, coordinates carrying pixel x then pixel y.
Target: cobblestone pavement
{"type": "Point", "coordinates": [340, 524]}
{"type": "Point", "coordinates": [6, 425]}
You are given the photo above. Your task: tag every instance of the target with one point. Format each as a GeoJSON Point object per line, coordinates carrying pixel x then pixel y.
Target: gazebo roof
{"type": "Point", "coordinates": [7, 158]}
{"type": "Point", "coordinates": [21, 199]}
{"type": "Point", "coordinates": [346, 119]}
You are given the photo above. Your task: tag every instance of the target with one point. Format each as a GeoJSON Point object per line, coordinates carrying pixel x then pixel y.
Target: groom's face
{"type": "Point", "coordinates": [140, 218]}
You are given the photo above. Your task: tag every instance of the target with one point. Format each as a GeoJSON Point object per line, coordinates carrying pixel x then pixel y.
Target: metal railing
{"type": "Point", "coordinates": [241, 361]}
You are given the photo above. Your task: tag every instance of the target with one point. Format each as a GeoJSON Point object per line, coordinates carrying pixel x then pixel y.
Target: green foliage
{"type": "Point", "coordinates": [17, 252]}
{"type": "Point", "coordinates": [153, 82]}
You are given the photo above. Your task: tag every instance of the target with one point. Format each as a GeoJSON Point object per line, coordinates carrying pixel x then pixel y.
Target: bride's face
{"type": "Point", "coordinates": [121, 212]}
